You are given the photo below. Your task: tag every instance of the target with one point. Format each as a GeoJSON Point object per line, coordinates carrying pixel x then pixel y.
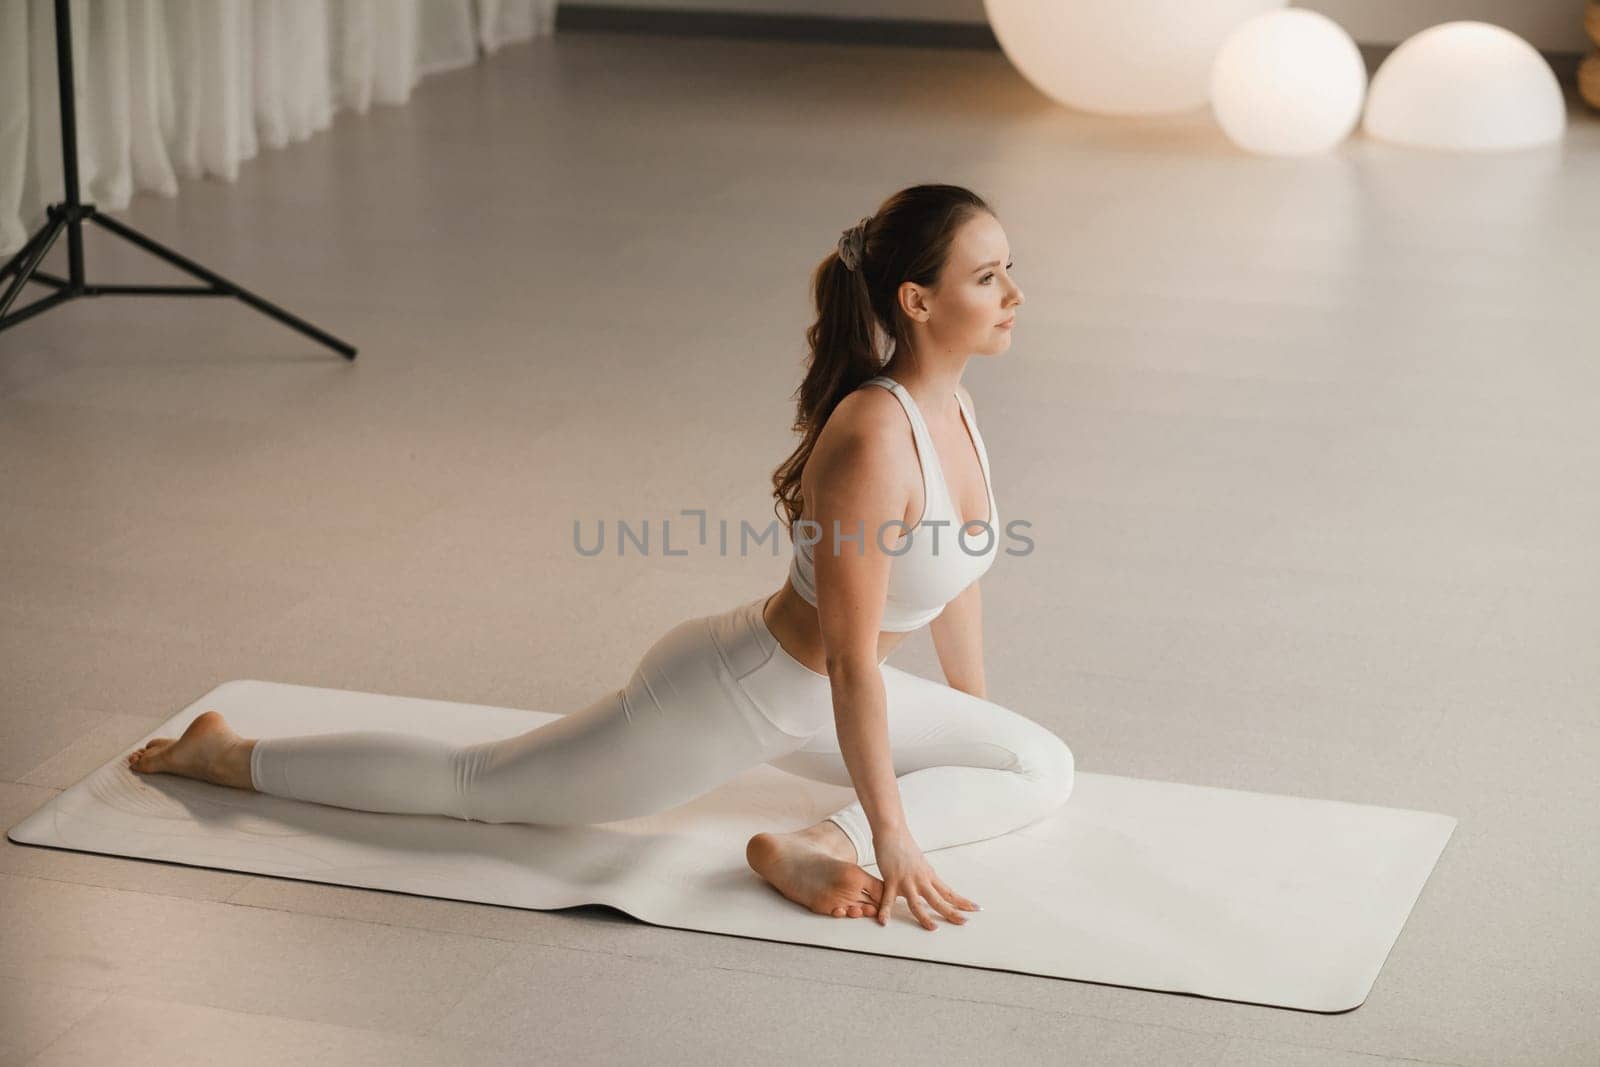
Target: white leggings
{"type": "Point", "coordinates": [712, 697]}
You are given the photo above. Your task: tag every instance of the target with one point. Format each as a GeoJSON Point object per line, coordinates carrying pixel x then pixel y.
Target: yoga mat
{"type": "Point", "coordinates": [1221, 893]}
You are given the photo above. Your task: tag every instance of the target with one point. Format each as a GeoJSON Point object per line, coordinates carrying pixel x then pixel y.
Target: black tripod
{"type": "Point", "coordinates": [69, 215]}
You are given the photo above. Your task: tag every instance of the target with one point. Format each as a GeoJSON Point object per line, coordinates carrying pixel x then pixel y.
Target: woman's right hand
{"type": "Point", "coordinates": [905, 872]}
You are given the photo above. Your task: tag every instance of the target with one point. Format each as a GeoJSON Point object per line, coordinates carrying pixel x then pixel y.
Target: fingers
{"type": "Point", "coordinates": [919, 900]}
{"type": "Point", "coordinates": [935, 899]}
{"type": "Point", "coordinates": [947, 909]}
{"type": "Point", "coordinates": [916, 901]}
{"type": "Point", "coordinates": [950, 894]}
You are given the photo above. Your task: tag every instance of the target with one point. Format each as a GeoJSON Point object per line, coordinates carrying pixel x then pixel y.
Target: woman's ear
{"type": "Point", "coordinates": [913, 301]}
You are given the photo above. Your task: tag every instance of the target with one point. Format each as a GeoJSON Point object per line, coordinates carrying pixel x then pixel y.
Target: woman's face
{"type": "Point", "coordinates": [976, 293]}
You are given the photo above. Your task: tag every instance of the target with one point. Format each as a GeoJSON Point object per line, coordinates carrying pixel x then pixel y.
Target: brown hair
{"type": "Point", "coordinates": [907, 240]}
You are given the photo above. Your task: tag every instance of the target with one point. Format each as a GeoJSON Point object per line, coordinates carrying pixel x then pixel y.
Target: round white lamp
{"type": "Point", "coordinates": [1119, 57]}
{"type": "Point", "coordinates": [1288, 83]}
{"type": "Point", "coordinates": [1466, 86]}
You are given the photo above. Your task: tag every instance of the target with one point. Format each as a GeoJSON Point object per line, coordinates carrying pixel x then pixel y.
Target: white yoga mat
{"type": "Point", "coordinates": [1221, 893]}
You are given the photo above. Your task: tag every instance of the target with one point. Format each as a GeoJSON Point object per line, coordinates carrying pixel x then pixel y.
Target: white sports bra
{"type": "Point", "coordinates": [939, 561]}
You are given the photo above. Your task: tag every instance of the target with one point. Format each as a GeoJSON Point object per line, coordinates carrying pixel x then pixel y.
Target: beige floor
{"type": "Point", "coordinates": [1309, 449]}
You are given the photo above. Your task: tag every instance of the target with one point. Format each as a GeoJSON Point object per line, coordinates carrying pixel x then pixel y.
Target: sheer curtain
{"type": "Point", "coordinates": [184, 88]}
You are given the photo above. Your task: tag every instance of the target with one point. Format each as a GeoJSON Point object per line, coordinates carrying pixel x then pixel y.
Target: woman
{"type": "Point", "coordinates": [889, 494]}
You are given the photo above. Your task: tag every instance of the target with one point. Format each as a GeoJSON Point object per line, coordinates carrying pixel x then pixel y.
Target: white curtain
{"type": "Point", "coordinates": [185, 88]}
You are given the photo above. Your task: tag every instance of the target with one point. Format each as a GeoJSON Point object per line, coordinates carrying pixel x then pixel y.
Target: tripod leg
{"type": "Point", "coordinates": [29, 258]}
{"type": "Point", "coordinates": [22, 253]}
{"type": "Point", "coordinates": [189, 265]}
{"type": "Point", "coordinates": [18, 256]}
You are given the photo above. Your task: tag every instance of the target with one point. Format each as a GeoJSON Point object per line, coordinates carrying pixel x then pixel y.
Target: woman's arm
{"type": "Point", "coordinates": [860, 488]}
{"type": "Point", "coordinates": [958, 639]}
{"type": "Point", "coordinates": [864, 485]}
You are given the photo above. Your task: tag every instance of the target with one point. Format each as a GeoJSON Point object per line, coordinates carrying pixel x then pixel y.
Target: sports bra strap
{"type": "Point", "coordinates": [902, 394]}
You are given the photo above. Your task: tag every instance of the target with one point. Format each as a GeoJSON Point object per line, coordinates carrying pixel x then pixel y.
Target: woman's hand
{"type": "Point", "coordinates": [906, 873]}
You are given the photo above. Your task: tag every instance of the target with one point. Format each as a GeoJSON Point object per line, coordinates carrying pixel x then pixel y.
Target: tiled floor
{"type": "Point", "coordinates": [1310, 449]}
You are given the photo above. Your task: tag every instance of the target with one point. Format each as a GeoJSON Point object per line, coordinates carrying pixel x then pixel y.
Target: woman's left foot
{"type": "Point", "coordinates": [801, 867]}
{"type": "Point", "coordinates": [202, 753]}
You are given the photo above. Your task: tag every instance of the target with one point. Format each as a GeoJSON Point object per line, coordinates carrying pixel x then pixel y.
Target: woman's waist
{"type": "Point", "coordinates": [792, 621]}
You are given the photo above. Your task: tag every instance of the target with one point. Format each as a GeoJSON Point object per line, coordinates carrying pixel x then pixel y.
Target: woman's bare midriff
{"type": "Point", "coordinates": [794, 623]}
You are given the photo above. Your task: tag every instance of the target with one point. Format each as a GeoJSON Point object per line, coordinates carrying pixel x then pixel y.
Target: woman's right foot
{"type": "Point", "coordinates": [802, 869]}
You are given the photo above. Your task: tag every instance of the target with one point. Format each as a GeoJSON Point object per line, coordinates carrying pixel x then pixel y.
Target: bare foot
{"type": "Point", "coordinates": [209, 750]}
{"type": "Point", "coordinates": [800, 867]}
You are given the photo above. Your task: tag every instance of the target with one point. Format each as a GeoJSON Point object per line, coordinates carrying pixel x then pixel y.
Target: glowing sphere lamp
{"type": "Point", "coordinates": [1119, 57]}
{"type": "Point", "coordinates": [1288, 83]}
{"type": "Point", "coordinates": [1466, 87]}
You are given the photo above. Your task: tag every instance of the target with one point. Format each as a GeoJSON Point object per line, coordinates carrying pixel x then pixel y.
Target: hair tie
{"type": "Point", "coordinates": [852, 244]}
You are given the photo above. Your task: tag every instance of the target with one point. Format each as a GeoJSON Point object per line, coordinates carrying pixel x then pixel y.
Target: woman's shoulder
{"type": "Point", "coordinates": [866, 415]}
{"type": "Point", "coordinates": [866, 430]}
{"type": "Point", "coordinates": [863, 446]}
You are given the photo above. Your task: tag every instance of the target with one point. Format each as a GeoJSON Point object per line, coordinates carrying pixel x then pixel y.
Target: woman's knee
{"type": "Point", "coordinates": [1068, 774]}
{"type": "Point", "coordinates": [1050, 762]}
